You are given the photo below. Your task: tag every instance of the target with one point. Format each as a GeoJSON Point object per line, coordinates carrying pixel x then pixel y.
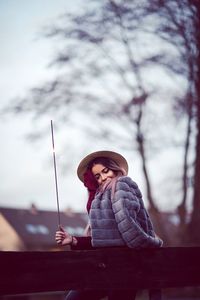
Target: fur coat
{"type": "Point", "coordinates": [121, 219]}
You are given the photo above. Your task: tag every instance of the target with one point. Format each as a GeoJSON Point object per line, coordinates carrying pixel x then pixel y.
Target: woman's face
{"type": "Point", "coordinates": [102, 173]}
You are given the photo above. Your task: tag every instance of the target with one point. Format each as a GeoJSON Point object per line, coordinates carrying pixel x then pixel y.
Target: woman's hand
{"type": "Point", "coordinates": [63, 238]}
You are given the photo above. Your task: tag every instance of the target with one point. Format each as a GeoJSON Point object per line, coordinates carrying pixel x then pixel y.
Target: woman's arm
{"type": "Point", "coordinates": [125, 207]}
{"type": "Point", "coordinates": [63, 238]}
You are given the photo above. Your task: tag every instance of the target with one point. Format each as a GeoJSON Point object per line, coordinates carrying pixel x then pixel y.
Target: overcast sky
{"type": "Point", "coordinates": [26, 174]}
{"type": "Point", "coordinates": [26, 171]}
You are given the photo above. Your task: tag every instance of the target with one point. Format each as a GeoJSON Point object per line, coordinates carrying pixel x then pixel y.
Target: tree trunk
{"type": "Point", "coordinates": [153, 210]}
{"type": "Point", "coordinates": [181, 209]}
{"type": "Point", "coordinates": [194, 225]}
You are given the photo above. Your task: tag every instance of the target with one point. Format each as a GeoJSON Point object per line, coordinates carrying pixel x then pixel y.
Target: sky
{"type": "Point", "coordinates": [26, 171]}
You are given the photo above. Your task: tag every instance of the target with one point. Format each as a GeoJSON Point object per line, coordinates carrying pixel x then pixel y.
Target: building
{"type": "Point", "coordinates": [34, 230]}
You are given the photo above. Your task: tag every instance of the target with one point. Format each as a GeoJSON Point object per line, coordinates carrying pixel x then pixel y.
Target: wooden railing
{"type": "Point", "coordinates": [31, 272]}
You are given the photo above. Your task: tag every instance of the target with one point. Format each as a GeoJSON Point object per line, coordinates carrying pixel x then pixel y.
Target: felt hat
{"type": "Point", "coordinates": [118, 158]}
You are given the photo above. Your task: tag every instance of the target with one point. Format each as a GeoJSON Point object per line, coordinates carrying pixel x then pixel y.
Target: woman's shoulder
{"type": "Point", "coordinates": [127, 180]}
{"type": "Point", "coordinates": [127, 183]}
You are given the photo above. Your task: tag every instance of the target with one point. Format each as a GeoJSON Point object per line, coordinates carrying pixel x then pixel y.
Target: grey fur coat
{"type": "Point", "coordinates": [122, 220]}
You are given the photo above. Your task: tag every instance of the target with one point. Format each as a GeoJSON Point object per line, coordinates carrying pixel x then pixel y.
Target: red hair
{"type": "Point", "coordinates": [91, 184]}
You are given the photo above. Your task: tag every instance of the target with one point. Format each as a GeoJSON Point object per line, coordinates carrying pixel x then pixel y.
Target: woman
{"type": "Point", "coordinates": [116, 213]}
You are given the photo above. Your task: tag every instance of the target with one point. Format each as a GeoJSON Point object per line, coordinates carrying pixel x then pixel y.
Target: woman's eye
{"type": "Point", "coordinates": [97, 177]}
{"type": "Point", "coordinates": [106, 170]}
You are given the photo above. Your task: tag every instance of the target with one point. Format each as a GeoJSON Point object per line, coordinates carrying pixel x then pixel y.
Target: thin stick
{"type": "Point", "coordinates": [55, 173]}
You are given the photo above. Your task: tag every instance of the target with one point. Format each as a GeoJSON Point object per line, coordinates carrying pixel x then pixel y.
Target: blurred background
{"type": "Point", "coordinates": [113, 75]}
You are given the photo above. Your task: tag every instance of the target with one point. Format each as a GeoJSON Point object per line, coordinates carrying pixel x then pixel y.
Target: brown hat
{"type": "Point", "coordinates": [118, 158]}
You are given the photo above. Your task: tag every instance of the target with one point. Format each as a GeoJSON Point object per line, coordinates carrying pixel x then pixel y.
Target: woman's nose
{"type": "Point", "coordinates": [103, 177]}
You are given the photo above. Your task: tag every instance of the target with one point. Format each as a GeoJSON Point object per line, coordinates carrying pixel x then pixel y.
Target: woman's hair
{"type": "Point", "coordinates": [89, 180]}
{"type": "Point", "coordinates": [108, 163]}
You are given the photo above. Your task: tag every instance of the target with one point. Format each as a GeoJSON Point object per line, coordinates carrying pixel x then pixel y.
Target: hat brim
{"type": "Point", "coordinates": [118, 158]}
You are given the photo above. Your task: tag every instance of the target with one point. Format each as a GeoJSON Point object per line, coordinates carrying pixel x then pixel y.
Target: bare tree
{"type": "Point", "coordinates": [107, 50]}
{"type": "Point", "coordinates": [182, 30]}
{"type": "Point", "coordinates": [193, 234]}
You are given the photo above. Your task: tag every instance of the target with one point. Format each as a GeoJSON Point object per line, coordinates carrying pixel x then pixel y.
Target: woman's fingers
{"type": "Point", "coordinates": [60, 236]}
{"type": "Point", "coordinates": [61, 228]}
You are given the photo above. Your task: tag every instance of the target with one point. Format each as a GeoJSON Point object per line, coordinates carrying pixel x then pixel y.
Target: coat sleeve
{"type": "Point", "coordinates": [84, 243]}
{"type": "Point", "coordinates": [126, 205]}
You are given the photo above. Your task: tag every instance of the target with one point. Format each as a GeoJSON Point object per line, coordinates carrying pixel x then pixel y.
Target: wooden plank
{"type": "Point", "coordinates": [30, 272]}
